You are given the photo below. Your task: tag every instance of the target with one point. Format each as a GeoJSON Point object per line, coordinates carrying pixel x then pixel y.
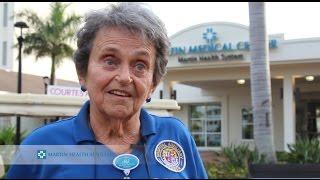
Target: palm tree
{"type": "Point", "coordinates": [50, 36]}
{"type": "Point", "coordinates": [260, 82]}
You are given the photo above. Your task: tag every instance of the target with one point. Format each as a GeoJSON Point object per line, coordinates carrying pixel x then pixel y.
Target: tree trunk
{"type": "Point", "coordinates": [260, 82]}
{"type": "Point", "coordinates": [53, 70]}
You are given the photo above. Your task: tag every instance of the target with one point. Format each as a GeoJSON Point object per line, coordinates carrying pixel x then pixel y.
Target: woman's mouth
{"type": "Point", "coordinates": [120, 93]}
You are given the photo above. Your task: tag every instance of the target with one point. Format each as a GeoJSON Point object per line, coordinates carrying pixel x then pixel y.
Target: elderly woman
{"type": "Point", "coordinates": [121, 58]}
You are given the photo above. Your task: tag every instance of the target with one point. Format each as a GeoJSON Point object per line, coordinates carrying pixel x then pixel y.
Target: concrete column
{"type": "Point", "coordinates": [167, 89]}
{"type": "Point", "coordinates": [289, 113]}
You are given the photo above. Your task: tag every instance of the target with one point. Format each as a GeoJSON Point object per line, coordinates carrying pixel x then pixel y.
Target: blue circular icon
{"type": "Point", "coordinates": [126, 162]}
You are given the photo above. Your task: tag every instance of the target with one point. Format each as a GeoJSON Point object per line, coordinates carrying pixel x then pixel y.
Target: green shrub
{"type": "Point", "coordinates": [282, 157]}
{"type": "Point", "coordinates": [236, 164]}
{"type": "Point", "coordinates": [304, 151]}
{"type": "Point", "coordinates": [8, 134]}
{"type": "Point", "coordinates": [241, 155]}
{"type": "Point", "coordinates": [256, 158]}
{"type": "Point", "coordinates": [225, 171]}
{"type": "Point", "coordinates": [237, 158]}
{"type": "Point", "coordinates": [237, 154]}
{"type": "Point", "coordinates": [7, 137]}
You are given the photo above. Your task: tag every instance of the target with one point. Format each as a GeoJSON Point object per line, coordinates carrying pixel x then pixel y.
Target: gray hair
{"type": "Point", "coordinates": [132, 16]}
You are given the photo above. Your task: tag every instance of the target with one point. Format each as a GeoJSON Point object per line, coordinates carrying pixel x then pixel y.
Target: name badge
{"type": "Point", "coordinates": [126, 163]}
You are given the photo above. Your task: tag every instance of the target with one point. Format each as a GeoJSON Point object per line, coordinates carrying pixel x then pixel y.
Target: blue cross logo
{"type": "Point", "coordinates": [41, 154]}
{"type": "Point", "coordinates": [210, 36]}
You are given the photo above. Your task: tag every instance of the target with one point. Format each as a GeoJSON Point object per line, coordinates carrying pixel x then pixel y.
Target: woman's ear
{"type": "Point", "coordinates": [82, 80]}
{"type": "Point", "coordinates": [151, 90]}
{"type": "Point", "coordinates": [82, 84]}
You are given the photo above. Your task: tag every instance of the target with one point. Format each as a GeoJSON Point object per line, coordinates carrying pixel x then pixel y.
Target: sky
{"type": "Point", "coordinates": [294, 19]}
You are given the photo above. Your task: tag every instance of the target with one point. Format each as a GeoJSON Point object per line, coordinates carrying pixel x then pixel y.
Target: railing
{"type": "Point", "coordinates": [61, 106]}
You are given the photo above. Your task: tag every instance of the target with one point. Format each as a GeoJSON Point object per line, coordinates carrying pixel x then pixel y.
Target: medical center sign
{"type": "Point", "coordinates": [215, 51]}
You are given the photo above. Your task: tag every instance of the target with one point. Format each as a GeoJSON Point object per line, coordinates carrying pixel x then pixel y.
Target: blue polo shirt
{"type": "Point", "coordinates": [166, 150]}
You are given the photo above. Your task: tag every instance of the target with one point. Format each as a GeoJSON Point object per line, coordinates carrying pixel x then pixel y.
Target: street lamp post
{"type": "Point", "coordinates": [20, 25]}
{"type": "Point", "coordinates": [45, 82]}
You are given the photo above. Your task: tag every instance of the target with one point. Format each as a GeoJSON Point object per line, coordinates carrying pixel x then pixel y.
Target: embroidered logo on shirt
{"type": "Point", "coordinates": [171, 155]}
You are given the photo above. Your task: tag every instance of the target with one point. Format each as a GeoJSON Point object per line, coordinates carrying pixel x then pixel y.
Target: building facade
{"type": "Point", "coordinates": [209, 76]}
{"type": "Point", "coordinates": [6, 35]}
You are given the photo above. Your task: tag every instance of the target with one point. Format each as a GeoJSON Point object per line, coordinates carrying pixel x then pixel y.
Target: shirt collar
{"type": "Point", "coordinates": [83, 132]}
{"type": "Point", "coordinates": [148, 123]}
{"type": "Point", "coordinates": [81, 128]}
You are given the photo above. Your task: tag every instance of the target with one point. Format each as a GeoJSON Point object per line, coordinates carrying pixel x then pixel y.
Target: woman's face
{"type": "Point", "coordinates": [120, 73]}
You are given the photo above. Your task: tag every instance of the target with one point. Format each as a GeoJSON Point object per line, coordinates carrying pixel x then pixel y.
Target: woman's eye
{"type": "Point", "coordinates": [140, 67]}
{"type": "Point", "coordinates": [109, 61]}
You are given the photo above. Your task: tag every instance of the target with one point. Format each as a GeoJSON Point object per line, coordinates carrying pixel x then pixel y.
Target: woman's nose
{"type": "Point", "coordinates": [124, 75]}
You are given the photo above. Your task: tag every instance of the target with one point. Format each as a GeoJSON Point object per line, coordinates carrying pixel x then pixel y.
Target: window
{"type": "Point", "coordinates": [247, 123]}
{"type": "Point", "coordinates": [4, 53]}
{"type": "Point", "coordinates": [205, 124]}
{"type": "Point", "coordinates": [5, 14]}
